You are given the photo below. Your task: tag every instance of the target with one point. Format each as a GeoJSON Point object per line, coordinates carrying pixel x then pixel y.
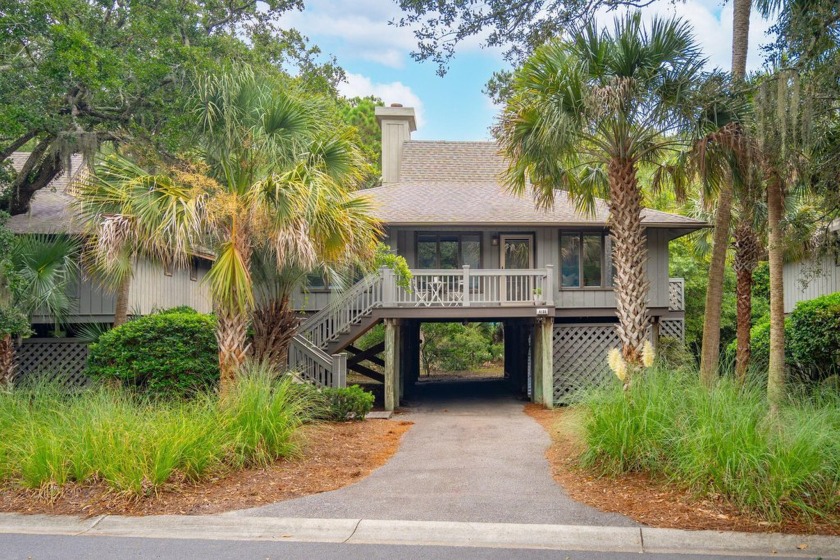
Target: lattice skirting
{"type": "Point", "coordinates": [580, 355]}
{"type": "Point", "coordinates": [674, 328]}
{"type": "Point", "coordinates": [580, 358]}
{"type": "Point", "coordinates": [61, 360]}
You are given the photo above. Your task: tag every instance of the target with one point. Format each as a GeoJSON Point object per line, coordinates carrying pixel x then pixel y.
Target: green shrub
{"type": "Point", "coordinates": [172, 353]}
{"type": "Point", "coordinates": [458, 347]}
{"type": "Point", "coordinates": [760, 345]}
{"type": "Point", "coordinates": [721, 441]}
{"type": "Point", "coordinates": [812, 339]}
{"type": "Point", "coordinates": [348, 403]}
{"type": "Point", "coordinates": [135, 444]}
{"type": "Point", "coordinates": [814, 342]}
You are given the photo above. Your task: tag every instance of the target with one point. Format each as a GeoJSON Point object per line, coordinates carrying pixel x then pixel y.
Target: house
{"type": "Point", "coordinates": [814, 275]}
{"type": "Point", "coordinates": [479, 253]}
{"type": "Point", "coordinates": [152, 287]}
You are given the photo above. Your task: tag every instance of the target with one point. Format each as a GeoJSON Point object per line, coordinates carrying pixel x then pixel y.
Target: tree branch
{"type": "Point", "coordinates": [11, 148]}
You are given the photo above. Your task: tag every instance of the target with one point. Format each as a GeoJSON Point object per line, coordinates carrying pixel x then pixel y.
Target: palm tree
{"type": "Point", "coordinates": [271, 185]}
{"type": "Point", "coordinates": [35, 274]}
{"type": "Point", "coordinates": [585, 113]}
{"type": "Point", "coordinates": [710, 351]}
{"type": "Point", "coordinates": [129, 213]}
{"type": "Point", "coordinates": [46, 266]}
{"type": "Point", "coordinates": [282, 177]}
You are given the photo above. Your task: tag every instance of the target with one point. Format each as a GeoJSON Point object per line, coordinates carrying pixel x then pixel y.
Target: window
{"type": "Point", "coordinates": [194, 269]}
{"type": "Point", "coordinates": [584, 260]}
{"type": "Point", "coordinates": [448, 251]}
{"type": "Point", "coordinates": [316, 282]}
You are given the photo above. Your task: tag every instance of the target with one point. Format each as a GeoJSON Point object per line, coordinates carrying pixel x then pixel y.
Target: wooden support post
{"type": "Point", "coordinates": [392, 364]}
{"type": "Point", "coordinates": [655, 328]}
{"type": "Point", "coordinates": [544, 362]}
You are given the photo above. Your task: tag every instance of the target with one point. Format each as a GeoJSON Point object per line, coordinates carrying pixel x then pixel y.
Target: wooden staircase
{"type": "Point", "coordinates": [315, 351]}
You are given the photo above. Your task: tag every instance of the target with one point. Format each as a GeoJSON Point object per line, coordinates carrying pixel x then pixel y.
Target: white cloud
{"type": "Point", "coordinates": [360, 26]}
{"type": "Point", "coordinates": [363, 29]}
{"type": "Point", "coordinates": [392, 92]}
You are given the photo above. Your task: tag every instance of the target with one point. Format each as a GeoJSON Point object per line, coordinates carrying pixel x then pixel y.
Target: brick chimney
{"type": "Point", "coordinates": [397, 124]}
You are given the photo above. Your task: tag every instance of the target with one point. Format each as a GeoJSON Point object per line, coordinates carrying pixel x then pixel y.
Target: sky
{"type": "Point", "coordinates": [376, 57]}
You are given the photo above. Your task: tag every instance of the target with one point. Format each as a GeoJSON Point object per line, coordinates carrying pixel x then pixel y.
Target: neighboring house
{"type": "Point", "coordinates": [813, 276]}
{"type": "Point", "coordinates": [152, 287]}
{"type": "Point", "coordinates": [479, 253]}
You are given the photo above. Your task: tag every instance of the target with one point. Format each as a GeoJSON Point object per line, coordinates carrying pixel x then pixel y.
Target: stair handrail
{"type": "Point", "coordinates": [339, 313]}
{"type": "Point", "coordinates": [325, 370]}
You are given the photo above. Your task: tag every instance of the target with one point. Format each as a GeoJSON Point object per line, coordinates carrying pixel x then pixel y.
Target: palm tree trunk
{"type": "Point", "coordinates": [747, 250]}
{"type": "Point", "coordinates": [121, 305]}
{"type": "Point", "coordinates": [740, 37]}
{"type": "Point", "coordinates": [7, 360]}
{"type": "Point", "coordinates": [274, 324]}
{"type": "Point", "coordinates": [776, 372]}
{"type": "Point", "coordinates": [710, 350]}
{"type": "Point", "coordinates": [629, 259]}
{"type": "Point", "coordinates": [746, 242]}
{"type": "Point", "coordinates": [231, 335]}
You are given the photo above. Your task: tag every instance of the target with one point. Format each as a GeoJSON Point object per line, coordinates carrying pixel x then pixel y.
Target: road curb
{"type": "Point", "coordinates": [429, 533]}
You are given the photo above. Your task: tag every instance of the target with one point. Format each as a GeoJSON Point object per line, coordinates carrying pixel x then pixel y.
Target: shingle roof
{"type": "Point", "coordinates": [457, 183]}
{"type": "Point", "coordinates": [50, 208]}
{"type": "Point", "coordinates": [450, 161]}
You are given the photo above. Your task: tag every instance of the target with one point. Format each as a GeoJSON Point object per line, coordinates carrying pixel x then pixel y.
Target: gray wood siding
{"type": "Point", "coordinates": [810, 278]}
{"type": "Point", "coordinates": [152, 290]}
{"type": "Point", "coordinates": [91, 304]}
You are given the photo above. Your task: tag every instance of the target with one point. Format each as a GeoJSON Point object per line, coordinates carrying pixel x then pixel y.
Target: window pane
{"type": "Point", "coordinates": [426, 251]}
{"type": "Point", "coordinates": [592, 259]}
{"type": "Point", "coordinates": [315, 281]}
{"type": "Point", "coordinates": [610, 275]}
{"type": "Point", "coordinates": [570, 260]}
{"type": "Point", "coordinates": [448, 252]}
{"type": "Point", "coordinates": [471, 250]}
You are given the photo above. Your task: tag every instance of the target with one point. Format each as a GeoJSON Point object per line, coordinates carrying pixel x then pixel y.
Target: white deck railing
{"type": "Point", "coordinates": [473, 287]}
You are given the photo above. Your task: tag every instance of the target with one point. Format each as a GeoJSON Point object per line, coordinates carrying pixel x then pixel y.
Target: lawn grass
{"type": "Point", "coordinates": [136, 444]}
{"type": "Point", "coordinates": [721, 441]}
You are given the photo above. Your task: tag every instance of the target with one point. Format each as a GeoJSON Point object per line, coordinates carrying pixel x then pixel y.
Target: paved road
{"type": "Point", "coordinates": [44, 547]}
{"type": "Point", "coordinates": [472, 455]}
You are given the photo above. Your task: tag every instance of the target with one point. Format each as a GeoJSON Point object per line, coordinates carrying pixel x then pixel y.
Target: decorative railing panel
{"type": "Point", "coordinates": [676, 294]}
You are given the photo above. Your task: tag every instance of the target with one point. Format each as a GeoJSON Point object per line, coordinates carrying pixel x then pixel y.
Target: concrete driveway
{"type": "Point", "coordinates": [472, 455]}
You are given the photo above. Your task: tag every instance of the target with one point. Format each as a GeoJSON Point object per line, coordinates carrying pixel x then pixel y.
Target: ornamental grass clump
{"type": "Point", "coordinates": [136, 444]}
{"type": "Point", "coordinates": [721, 441]}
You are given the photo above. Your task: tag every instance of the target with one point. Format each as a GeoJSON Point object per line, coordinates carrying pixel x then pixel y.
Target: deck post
{"type": "Point", "coordinates": [465, 295]}
{"type": "Point", "coordinates": [392, 364]}
{"type": "Point", "coordinates": [389, 286]}
{"type": "Point", "coordinates": [549, 285]}
{"type": "Point", "coordinates": [339, 370]}
{"type": "Point", "coordinates": [544, 362]}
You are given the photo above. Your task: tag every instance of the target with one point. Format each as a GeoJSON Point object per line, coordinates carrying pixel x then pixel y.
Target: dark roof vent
{"type": "Point", "coordinates": [396, 104]}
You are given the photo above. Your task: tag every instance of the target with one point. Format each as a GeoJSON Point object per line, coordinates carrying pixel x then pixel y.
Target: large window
{"type": "Point", "coordinates": [448, 250]}
{"type": "Point", "coordinates": [584, 260]}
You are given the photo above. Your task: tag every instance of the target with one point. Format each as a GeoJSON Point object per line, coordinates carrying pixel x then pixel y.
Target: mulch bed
{"type": "Point", "coordinates": [653, 502]}
{"type": "Point", "coordinates": [335, 455]}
